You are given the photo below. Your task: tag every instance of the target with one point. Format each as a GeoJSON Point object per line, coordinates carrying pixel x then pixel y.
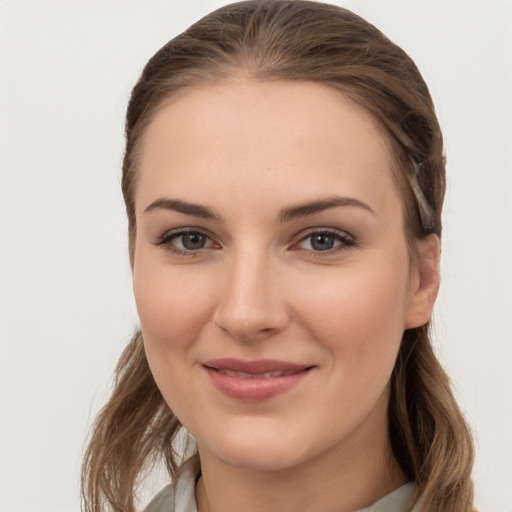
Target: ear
{"type": "Point", "coordinates": [424, 284]}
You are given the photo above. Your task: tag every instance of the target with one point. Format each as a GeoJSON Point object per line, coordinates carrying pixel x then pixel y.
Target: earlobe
{"type": "Point", "coordinates": [425, 281]}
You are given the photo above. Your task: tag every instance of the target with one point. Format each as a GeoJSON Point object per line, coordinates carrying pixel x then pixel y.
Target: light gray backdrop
{"type": "Point", "coordinates": [66, 69]}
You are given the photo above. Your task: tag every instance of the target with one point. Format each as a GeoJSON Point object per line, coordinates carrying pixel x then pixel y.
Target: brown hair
{"type": "Point", "coordinates": [296, 40]}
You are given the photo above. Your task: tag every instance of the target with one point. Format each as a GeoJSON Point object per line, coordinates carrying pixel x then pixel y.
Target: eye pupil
{"type": "Point", "coordinates": [322, 242]}
{"type": "Point", "coordinates": [193, 241]}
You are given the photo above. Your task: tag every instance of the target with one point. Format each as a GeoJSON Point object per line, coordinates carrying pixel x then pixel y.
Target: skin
{"type": "Point", "coordinates": [260, 289]}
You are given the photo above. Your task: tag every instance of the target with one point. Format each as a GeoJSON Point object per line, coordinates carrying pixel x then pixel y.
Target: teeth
{"type": "Point", "coordinates": [266, 375]}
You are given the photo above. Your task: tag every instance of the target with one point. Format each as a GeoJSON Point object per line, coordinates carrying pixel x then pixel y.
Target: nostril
{"type": "Point", "coordinates": [249, 329]}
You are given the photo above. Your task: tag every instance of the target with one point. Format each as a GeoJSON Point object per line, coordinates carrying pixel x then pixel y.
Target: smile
{"type": "Point", "coordinates": [266, 375]}
{"type": "Point", "coordinates": [253, 381]}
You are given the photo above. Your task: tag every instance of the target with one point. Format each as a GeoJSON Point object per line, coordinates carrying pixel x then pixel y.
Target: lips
{"type": "Point", "coordinates": [266, 375]}
{"type": "Point", "coordinates": [255, 380]}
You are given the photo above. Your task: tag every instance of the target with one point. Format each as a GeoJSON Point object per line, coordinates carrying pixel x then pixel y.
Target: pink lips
{"type": "Point", "coordinates": [254, 380]}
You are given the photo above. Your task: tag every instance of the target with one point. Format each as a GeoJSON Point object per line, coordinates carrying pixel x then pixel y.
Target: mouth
{"type": "Point", "coordinates": [265, 375]}
{"type": "Point", "coordinates": [255, 380]}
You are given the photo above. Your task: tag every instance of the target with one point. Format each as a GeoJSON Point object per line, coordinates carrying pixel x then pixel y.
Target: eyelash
{"type": "Point", "coordinates": [166, 239]}
{"type": "Point", "coordinates": [345, 240]}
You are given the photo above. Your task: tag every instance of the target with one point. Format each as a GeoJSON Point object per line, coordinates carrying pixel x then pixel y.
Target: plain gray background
{"type": "Point", "coordinates": [66, 70]}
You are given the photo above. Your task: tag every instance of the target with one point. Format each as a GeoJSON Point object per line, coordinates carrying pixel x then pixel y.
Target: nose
{"type": "Point", "coordinates": [251, 304]}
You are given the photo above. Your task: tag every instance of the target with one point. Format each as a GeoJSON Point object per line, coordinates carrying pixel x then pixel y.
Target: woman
{"type": "Point", "coordinates": [284, 179]}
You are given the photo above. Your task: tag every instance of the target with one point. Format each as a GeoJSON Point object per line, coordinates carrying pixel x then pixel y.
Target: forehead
{"type": "Point", "coordinates": [279, 139]}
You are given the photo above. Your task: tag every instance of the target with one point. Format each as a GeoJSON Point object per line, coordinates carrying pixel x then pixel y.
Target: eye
{"type": "Point", "coordinates": [185, 241]}
{"type": "Point", "coordinates": [321, 241]}
{"type": "Point", "coordinates": [191, 241]}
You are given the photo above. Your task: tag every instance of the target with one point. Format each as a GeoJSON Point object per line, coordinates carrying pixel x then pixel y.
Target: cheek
{"type": "Point", "coordinates": [358, 319]}
{"type": "Point", "coordinates": [173, 304]}
{"type": "Point", "coordinates": [173, 308]}
{"type": "Point", "coordinates": [358, 315]}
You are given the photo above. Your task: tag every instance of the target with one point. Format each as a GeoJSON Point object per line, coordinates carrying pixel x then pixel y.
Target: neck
{"type": "Point", "coordinates": [349, 476]}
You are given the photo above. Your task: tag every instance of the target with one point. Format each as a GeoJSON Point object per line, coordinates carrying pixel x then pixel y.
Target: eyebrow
{"type": "Point", "coordinates": [285, 215]}
{"type": "Point", "coordinates": [312, 207]}
{"type": "Point", "coordinates": [177, 205]}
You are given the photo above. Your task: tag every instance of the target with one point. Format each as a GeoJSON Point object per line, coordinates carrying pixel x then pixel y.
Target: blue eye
{"type": "Point", "coordinates": [185, 241]}
{"type": "Point", "coordinates": [320, 241]}
{"type": "Point", "coordinates": [192, 241]}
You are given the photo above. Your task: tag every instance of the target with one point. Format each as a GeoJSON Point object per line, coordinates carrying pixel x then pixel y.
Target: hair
{"type": "Point", "coordinates": [270, 40]}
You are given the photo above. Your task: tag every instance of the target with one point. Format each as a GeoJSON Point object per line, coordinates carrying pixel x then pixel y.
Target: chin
{"type": "Point", "coordinates": [261, 459]}
{"type": "Point", "coordinates": [261, 451]}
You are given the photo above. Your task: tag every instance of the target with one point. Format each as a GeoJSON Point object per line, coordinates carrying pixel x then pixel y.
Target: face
{"type": "Point", "coordinates": [271, 270]}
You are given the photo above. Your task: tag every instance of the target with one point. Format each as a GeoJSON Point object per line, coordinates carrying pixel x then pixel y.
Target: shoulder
{"type": "Point", "coordinates": [163, 501]}
{"type": "Point", "coordinates": [398, 501]}
{"type": "Point", "coordinates": [178, 496]}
